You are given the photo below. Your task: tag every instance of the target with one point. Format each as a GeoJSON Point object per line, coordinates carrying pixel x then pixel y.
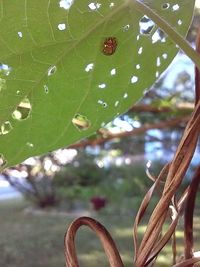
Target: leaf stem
{"type": "Point", "coordinates": [168, 29]}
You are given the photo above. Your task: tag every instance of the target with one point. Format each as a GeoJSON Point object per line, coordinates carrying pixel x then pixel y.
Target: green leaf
{"type": "Point", "coordinates": [68, 67]}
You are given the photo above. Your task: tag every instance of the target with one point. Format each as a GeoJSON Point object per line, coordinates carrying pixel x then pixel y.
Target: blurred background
{"type": "Point", "coordinates": [103, 176]}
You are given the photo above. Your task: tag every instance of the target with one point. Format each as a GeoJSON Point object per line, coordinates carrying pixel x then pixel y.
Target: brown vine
{"type": "Point", "coordinates": [106, 240]}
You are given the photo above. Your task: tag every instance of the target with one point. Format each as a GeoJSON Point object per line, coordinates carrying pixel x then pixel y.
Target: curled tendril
{"type": "Point", "coordinates": [104, 236]}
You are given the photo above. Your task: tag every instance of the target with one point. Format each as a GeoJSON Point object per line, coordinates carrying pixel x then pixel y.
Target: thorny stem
{"type": "Point", "coordinates": [168, 29]}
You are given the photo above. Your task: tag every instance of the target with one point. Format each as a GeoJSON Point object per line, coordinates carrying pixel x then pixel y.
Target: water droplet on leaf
{"type": "Point", "coordinates": [23, 110]}
{"type": "Point", "coordinates": [81, 122]}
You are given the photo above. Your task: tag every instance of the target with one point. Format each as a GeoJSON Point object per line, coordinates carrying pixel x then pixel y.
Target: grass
{"type": "Point", "coordinates": [28, 240]}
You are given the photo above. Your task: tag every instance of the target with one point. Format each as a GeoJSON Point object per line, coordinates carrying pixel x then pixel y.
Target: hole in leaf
{"type": "Point", "coordinates": [113, 72]}
{"type": "Point", "coordinates": [2, 161]}
{"type": "Point", "coordinates": [157, 74]}
{"type": "Point", "coordinates": [102, 86]}
{"type": "Point", "coordinates": [138, 66]}
{"type": "Point", "coordinates": [20, 34]}
{"type": "Point", "coordinates": [94, 6]}
{"type": "Point", "coordinates": [165, 6]}
{"type": "Point", "coordinates": [6, 127]}
{"type": "Point", "coordinates": [62, 26]}
{"type": "Point", "coordinates": [158, 62]}
{"type": "Point", "coordinates": [5, 69]}
{"type": "Point", "coordinates": [23, 110]}
{"type": "Point", "coordinates": [46, 89]}
{"type": "Point", "coordinates": [125, 95]}
{"type": "Point", "coordinates": [140, 50]}
{"type": "Point", "coordinates": [126, 27]}
{"type": "Point", "coordinates": [146, 25]}
{"type": "Point", "coordinates": [116, 103]}
{"type": "Point", "coordinates": [134, 79]}
{"type": "Point", "coordinates": [165, 56]}
{"type": "Point", "coordinates": [109, 46]}
{"type": "Point", "coordinates": [175, 7]}
{"type": "Point", "coordinates": [89, 67]}
{"type": "Point", "coordinates": [101, 102]}
{"type": "Point", "coordinates": [81, 122]}
{"type": "Point", "coordinates": [66, 4]}
{"type": "Point", "coordinates": [179, 22]}
{"type": "Point", "coordinates": [158, 36]}
{"type": "Point", "coordinates": [52, 70]}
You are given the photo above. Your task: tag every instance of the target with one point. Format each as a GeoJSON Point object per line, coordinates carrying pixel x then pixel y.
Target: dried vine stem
{"type": "Point", "coordinates": [144, 206]}
{"type": "Point", "coordinates": [106, 240]}
{"type": "Point", "coordinates": [189, 212]}
{"type": "Point", "coordinates": [188, 262]}
{"type": "Point", "coordinates": [177, 170]}
{"type": "Point", "coordinates": [193, 188]}
{"type": "Point", "coordinates": [150, 246]}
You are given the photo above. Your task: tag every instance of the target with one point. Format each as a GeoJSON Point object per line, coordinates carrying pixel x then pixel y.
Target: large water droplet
{"type": "Point", "coordinates": [23, 110]}
{"type": "Point", "coordinates": [81, 122]}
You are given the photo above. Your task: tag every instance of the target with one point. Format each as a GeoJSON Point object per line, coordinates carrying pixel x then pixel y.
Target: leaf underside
{"type": "Point", "coordinates": [68, 67]}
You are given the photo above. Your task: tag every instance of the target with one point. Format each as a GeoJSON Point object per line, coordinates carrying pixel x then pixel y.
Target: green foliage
{"type": "Point", "coordinates": [83, 171]}
{"type": "Point", "coordinates": [55, 55]}
{"type": "Point", "coordinates": [115, 183]}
